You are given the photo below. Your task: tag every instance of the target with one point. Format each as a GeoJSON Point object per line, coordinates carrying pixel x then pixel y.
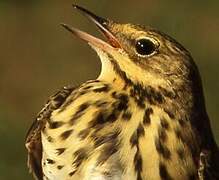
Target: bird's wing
{"type": "Point", "coordinates": [208, 165]}
{"type": "Point", "coordinates": [33, 139]}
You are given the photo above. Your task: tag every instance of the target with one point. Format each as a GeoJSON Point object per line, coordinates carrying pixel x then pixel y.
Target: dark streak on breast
{"type": "Point", "coordinates": [126, 115]}
{"type": "Point", "coordinates": [121, 102]}
{"type": "Point", "coordinates": [164, 174]}
{"type": "Point", "coordinates": [108, 115]}
{"type": "Point", "coordinates": [101, 103]}
{"type": "Point", "coordinates": [79, 157]}
{"type": "Point", "coordinates": [60, 150]}
{"type": "Point", "coordinates": [79, 112]}
{"type": "Point", "coordinates": [50, 139]}
{"type": "Point", "coordinates": [146, 94]}
{"type": "Point", "coordinates": [162, 135]}
{"type": "Point", "coordinates": [146, 118]}
{"type": "Point", "coordinates": [169, 113]}
{"type": "Point", "coordinates": [84, 133]}
{"type": "Point", "coordinates": [99, 118]}
{"type": "Point", "coordinates": [162, 149]}
{"type": "Point", "coordinates": [108, 150]}
{"type": "Point", "coordinates": [107, 138]}
{"type": "Point", "coordinates": [59, 167]}
{"type": "Point", "coordinates": [136, 135]}
{"type": "Point", "coordinates": [50, 161]}
{"type": "Point", "coordinates": [164, 124]}
{"type": "Point", "coordinates": [55, 124]}
{"type": "Point", "coordinates": [134, 141]}
{"type": "Point", "coordinates": [66, 134]}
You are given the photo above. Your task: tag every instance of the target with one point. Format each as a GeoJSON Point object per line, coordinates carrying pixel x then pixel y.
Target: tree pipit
{"type": "Point", "coordinates": [143, 118]}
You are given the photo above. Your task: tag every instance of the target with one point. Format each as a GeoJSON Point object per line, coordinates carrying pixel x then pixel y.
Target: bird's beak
{"type": "Point", "coordinates": [104, 27]}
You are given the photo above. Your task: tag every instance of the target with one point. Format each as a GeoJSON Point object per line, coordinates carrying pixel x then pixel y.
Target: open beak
{"type": "Point", "coordinates": [103, 26]}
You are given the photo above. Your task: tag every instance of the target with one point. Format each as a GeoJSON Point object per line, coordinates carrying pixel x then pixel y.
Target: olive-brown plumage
{"type": "Point", "coordinates": [143, 118]}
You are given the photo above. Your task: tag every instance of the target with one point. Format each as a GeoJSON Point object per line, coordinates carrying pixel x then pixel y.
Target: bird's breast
{"type": "Point", "coordinates": [103, 133]}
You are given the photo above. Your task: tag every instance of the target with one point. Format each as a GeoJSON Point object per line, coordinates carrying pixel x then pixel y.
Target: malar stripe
{"type": "Point", "coordinates": [149, 93]}
{"type": "Point", "coordinates": [118, 70]}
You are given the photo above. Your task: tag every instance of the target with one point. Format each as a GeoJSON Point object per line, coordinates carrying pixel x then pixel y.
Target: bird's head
{"type": "Point", "coordinates": [137, 54]}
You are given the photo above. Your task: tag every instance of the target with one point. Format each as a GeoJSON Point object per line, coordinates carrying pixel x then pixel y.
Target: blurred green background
{"type": "Point", "coordinates": [37, 57]}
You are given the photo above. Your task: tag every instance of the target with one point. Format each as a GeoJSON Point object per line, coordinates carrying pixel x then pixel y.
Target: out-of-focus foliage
{"type": "Point", "coordinates": [37, 57]}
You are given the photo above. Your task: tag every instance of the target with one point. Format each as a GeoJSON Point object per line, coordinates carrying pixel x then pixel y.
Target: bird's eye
{"type": "Point", "coordinates": [145, 47]}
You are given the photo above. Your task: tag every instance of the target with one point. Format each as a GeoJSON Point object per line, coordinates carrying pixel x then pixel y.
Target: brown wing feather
{"type": "Point", "coordinates": [208, 168]}
{"type": "Point", "coordinates": [33, 140]}
{"type": "Point", "coordinates": [34, 147]}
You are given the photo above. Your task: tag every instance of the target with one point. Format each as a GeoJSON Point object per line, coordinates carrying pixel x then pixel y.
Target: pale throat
{"type": "Point", "coordinates": [108, 72]}
{"type": "Point", "coordinates": [133, 72]}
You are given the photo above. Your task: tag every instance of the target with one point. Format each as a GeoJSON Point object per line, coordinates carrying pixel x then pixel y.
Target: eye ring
{"type": "Point", "coordinates": [145, 47]}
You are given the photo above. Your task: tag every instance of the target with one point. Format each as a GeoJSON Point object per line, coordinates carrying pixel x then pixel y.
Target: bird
{"type": "Point", "coordinates": [143, 118]}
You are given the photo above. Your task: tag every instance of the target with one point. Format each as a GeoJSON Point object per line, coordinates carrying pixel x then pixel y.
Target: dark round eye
{"type": "Point", "coordinates": [145, 47]}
